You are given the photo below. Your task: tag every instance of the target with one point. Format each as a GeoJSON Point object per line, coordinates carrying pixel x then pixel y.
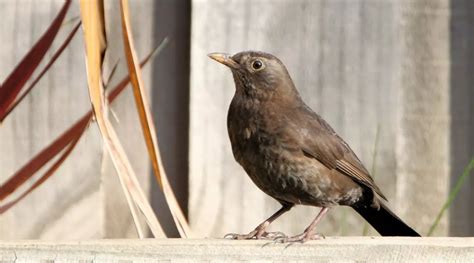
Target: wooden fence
{"type": "Point", "coordinates": [390, 76]}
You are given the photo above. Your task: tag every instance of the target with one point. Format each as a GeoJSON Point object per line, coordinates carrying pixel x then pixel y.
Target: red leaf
{"type": "Point", "coordinates": [45, 69]}
{"type": "Point", "coordinates": [44, 156]}
{"type": "Point", "coordinates": [47, 174]}
{"type": "Point", "coordinates": [23, 71]}
{"type": "Point", "coordinates": [48, 153]}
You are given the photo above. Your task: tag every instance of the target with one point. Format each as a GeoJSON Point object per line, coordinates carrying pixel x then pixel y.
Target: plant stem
{"type": "Point", "coordinates": [452, 195]}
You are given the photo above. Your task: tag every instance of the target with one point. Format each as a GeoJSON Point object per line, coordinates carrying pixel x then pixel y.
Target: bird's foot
{"type": "Point", "coordinates": [255, 234]}
{"type": "Point", "coordinates": [236, 236]}
{"type": "Point", "coordinates": [274, 235]}
{"type": "Point", "coordinates": [301, 238]}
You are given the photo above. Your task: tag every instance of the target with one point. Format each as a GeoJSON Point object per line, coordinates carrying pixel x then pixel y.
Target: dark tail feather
{"type": "Point", "coordinates": [385, 221]}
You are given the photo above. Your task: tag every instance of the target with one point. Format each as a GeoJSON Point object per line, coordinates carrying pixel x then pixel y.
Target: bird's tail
{"type": "Point", "coordinates": [385, 221]}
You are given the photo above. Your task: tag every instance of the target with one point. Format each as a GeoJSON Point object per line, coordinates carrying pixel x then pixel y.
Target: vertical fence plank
{"type": "Point", "coordinates": [461, 221]}
{"type": "Point", "coordinates": [423, 133]}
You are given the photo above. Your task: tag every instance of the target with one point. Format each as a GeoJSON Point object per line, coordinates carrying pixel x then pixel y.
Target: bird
{"type": "Point", "coordinates": [292, 154]}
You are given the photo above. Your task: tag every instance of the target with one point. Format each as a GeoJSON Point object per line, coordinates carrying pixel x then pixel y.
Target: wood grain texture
{"type": "Point", "coordinates": [353, 249]}
{"type": "Point", "coordinates": [423, 146]}
{"type": "Point", "coordinates": [389, 72]}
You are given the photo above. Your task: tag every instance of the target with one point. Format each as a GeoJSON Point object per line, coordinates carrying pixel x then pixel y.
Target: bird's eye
{"type": "Point", "coordinates": [257, 64]}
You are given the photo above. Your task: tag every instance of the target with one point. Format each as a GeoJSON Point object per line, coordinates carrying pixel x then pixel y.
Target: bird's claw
{"type": "Point", "coordinates": [301, 238]}
{"type": "Point", "coordinates": [255, 235]}
{"type": "Point", "coordinates": [274, 235]}
{"type": "Point", "coordinates": [230, 236]}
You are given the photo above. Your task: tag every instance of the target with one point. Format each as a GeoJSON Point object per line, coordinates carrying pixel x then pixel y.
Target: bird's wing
{"type": "Point", "coordinates": [318, 140]}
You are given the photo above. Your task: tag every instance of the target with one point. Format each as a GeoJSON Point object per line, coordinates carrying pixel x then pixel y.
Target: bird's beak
{"type": "Point", "coordinates": [225, 59]}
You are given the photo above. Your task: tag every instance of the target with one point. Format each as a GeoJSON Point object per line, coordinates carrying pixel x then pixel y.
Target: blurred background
{"type": "Point", "coordinates": [393, 77]}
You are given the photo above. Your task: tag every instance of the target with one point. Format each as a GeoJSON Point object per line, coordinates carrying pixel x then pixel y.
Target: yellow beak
{"type": "Point", "coordinates": [225, 59]}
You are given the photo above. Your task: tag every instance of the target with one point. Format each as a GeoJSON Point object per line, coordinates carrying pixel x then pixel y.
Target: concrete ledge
{"type": "Point", "coordinates": [386, 249]}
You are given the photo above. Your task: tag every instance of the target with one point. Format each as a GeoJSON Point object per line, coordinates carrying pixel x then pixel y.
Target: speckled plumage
{"type": "Point", "coordinates": [289, 151]}
{"type": "Point", "coordinates": [263, 144]}
{"type": "Point", "coordinates": [268, 123]}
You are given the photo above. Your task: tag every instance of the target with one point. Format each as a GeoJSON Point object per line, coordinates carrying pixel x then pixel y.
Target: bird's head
{"type": "Point", "coordinates": [257, 73]}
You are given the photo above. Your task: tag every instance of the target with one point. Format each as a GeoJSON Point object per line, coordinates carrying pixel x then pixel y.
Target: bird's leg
{"type": "Point", "coordinates": [308, 233]}
{"type": "Point", "coordinates": [259, 232]}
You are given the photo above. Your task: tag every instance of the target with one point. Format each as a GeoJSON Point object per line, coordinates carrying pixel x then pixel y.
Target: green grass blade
{"type": "Point", "coordinates": [452, 195]}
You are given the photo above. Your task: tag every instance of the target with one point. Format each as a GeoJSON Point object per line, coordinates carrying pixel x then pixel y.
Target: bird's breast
{"type": "Point", "coordinates": [275, 165]}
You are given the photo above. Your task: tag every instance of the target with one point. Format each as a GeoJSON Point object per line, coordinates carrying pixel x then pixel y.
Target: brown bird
{"type": "Point", "coordinates": [292, 154]}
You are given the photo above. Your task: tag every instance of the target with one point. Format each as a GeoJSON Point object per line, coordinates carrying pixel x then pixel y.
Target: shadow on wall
{"type": "Point", "coordinates": [170, 95]}
{"type": "Point", "coordinates": [462, 113]}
